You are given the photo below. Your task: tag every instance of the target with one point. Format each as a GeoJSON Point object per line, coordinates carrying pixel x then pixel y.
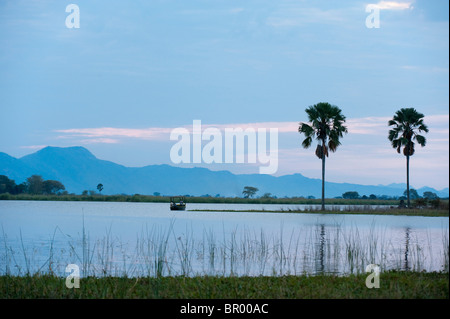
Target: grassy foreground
{"type": "Point", "coordinates": [393, 285]}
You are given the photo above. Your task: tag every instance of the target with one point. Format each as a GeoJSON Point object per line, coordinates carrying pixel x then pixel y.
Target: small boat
{"type": "Point", "coordinates": [177, 203]}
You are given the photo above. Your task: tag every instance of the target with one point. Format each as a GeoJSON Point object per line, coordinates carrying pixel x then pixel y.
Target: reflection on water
{"type": "Point", "coordinates": [147, 239]}
{"type": "Point", "coordinates": [407, 234]}
{"type": "Point", "coordinates": [320, 265]}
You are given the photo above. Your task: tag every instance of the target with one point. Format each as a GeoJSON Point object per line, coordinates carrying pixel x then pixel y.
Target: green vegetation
{"type": "Point", "coordinates": [393, 285]}
{"type": "Point", "coordinates": [199, 199]}
{"type": "Point", "coordinates": [195, 199]}
{"type": "Point", "coordinates": [350, 195]}
{"type": "Point", "coordinates": [406, 122]}
{"type": "Point", "coordinates": [34, 185]}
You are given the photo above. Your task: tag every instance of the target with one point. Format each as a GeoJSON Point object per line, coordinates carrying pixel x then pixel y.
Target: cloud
{"type": "Point", "coordinates": [112, 135]}
{"type": "Point", "coordinates": [368, 125]}
{"type": "Point", "coordinates": [236, 10]}
{"type": "Point", "coordinates": [100, 141]}
{"type": "Point", "coordinates": [362, 126]}
{"type": "Point", "coordinates": [297, 16]}
{"type": "Point", "coordinates": [393, 5]}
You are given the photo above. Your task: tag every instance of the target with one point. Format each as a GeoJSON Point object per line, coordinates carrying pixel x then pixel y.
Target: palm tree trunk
{"type": "Point", "coordinates": [323, 178]}
{"type": "Point", "coordinates": [407, 179]}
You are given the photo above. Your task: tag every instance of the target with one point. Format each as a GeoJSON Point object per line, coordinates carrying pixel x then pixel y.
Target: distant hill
{"type": "Point", "coordinates": [78, 169]}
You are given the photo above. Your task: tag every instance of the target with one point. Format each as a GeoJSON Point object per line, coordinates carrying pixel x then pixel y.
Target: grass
{"type": "Point", "coordinates": [393, 285]}
{"type": "Point", "coordinates": [200, 199]}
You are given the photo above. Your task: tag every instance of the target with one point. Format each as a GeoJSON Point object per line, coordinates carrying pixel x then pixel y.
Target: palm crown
{"type": "Point", "coordinates": [406, 122]}
{"type": "Point", "coordinates": [326, 126]}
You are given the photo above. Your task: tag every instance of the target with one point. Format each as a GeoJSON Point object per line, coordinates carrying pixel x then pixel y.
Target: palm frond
{"type": "Point", "coordinates": [307, 142]}
{"type": "Point", "coordinates": [420, 139]}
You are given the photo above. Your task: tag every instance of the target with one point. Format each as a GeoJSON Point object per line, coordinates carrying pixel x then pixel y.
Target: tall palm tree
{"type": "Point", "coordinates": [406, 122]}
{"type": "Point", "coordinates": [326, 126]}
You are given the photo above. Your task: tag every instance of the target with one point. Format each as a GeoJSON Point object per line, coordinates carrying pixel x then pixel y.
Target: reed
{"type": "Point", "coordinates": [160, 252]}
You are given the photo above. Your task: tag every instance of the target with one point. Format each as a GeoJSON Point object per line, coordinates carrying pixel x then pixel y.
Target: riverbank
{"type": "Point", "coordinates": [393, 285]}
{"type": "Point", "coordinates": [202, 199]}
{"type": "Point", "coordinates": [425, 212]}
{"type": "Point", "coordinates": [334, 205]}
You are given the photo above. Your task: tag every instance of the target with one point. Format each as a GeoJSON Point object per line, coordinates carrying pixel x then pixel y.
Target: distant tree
{"type": "Point", "coordinates": [364, 197]}
{"type": "Point", "coordinates": [420, 202]}
{"type": "Point", "coordinates": [435, 203]}
{"type": "Point", "coordinates": [327, 127]}
{"type": "Point", "coordinates": [267, 195]}
{"type": "Point", "coordinates": [20, 189]}
{"type": "Point", "coordinates": [311, 197]}
{"type": "Point", "coordinates": [407, 123]}
{"type": "Point", "coordinates": [412, 194]}
{"type": "Point", "coordinates": [350, 195]}
{"type": "Point", "coordinates": [52, 187]}
{"type": "Point", "coordinates": [7, 185]}
{"type": "Point", "coordinates": [85, 192]}
{"type": "Point", "coordinates": [372, 196]}
{"type": "Point", "coordinates": [430, 195]}
{"type": "Point", "coordinates": [100, 187]}
{"type": "Point", "coordinates": [35, 184]}
{"type": "Point", "coordinates": [249, 191]}
{"type": "Point", "coordinates": [156, 194]}
{"type": "Point", "coordinates": [91, 192]}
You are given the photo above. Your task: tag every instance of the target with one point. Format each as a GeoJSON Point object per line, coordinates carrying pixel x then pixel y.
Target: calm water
{"type": "Point", "coordinates": [140, 239]}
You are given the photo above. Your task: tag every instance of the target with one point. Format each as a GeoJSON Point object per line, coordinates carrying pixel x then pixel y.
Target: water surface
{"type": "Point", "coordinates": [139, 239]}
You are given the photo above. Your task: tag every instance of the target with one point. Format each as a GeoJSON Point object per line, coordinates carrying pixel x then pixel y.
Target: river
{"type": "Point", "coordinates": [147, 239]}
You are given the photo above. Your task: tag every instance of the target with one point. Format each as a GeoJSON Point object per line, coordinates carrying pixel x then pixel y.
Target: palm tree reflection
{"type": "Point", "coordinates": [320, 250]}
{"type": "Point", "coordinates": [407, 239]}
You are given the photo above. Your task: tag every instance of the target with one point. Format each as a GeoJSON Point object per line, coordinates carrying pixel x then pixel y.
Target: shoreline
{"type": "Point", "coordinates": [354, 207]}
{"type": "Point", "coordinates": [200, 199]}
{"type": "Point", "coordinates": [385, 212]}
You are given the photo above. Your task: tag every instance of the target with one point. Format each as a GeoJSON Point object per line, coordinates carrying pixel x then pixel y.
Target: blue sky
{"type": "Point", "coordinates": [134, 70]}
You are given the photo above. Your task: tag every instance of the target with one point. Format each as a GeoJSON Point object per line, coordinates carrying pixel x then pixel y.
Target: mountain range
{"type": "Point", "coordinates": [78, 169]}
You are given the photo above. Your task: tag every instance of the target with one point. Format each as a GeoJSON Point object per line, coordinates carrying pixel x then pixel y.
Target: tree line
{"type": "Point", "coordinates": [412, 193]}
{"type": "Point", "coordinates": [34, 185]}
{"type": "Point", "coordinates": [250, 192]}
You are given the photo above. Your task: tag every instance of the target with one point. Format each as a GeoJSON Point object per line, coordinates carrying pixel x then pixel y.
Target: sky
{"type": "Point", "coordinates": [136, 70]}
